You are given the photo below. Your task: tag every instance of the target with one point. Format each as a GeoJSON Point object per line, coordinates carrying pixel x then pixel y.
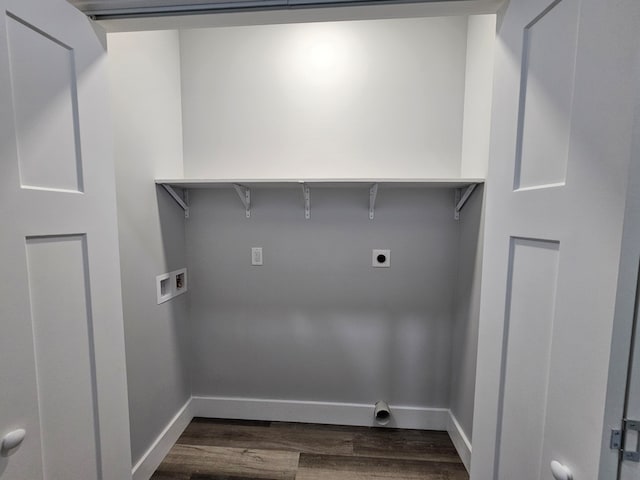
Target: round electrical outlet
{"type": "Point", "coordinates": [381, 258]}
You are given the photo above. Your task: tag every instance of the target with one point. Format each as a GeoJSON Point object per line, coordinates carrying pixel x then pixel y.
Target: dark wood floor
{"type": "Point", "coordinates": [241, 450]}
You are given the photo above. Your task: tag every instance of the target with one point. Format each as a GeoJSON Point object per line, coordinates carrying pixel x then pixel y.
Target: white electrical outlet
{"type": "Point", "coordinates": [381, 258]}
{"type": "Point", "coordinates": [256, 256]}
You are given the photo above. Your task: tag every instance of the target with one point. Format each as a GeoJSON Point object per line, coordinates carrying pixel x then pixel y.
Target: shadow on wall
{"type": "Point", "coordinates": [317, 321]}
{"type": "Point", "coordinates": [172, 233]}
{"type": "Point", "coordinates": [156, 336]}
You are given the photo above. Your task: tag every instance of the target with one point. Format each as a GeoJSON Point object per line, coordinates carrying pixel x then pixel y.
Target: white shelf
{"type": "Point", "coordinates": [327, 183]}
{"type": "Point", "coordinates": [464, 188]}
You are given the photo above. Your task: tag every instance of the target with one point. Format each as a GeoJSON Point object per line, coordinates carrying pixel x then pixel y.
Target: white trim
{"type": "Point", "coordinates": [460, 440]}
{"type": "Point", "coordinates": [153, 457]}
{"type": "Point", "coordinates": [358, 414]}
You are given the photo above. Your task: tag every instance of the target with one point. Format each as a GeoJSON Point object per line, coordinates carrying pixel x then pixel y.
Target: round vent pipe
{"type": "Point", "coordinates": [382, 412]}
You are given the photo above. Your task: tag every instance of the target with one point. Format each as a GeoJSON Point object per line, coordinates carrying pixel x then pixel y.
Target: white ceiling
{"type": "Point", "coordinates": [136, 15]}
{"type": "Point", "coordinates": [111, 8]}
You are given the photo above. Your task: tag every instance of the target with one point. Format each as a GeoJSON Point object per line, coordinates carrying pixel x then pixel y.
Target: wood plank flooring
{"type": "Point", "coordinates": [211, 449]}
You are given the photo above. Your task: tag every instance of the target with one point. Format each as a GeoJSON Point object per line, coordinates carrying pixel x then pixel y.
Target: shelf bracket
{"type": "Point", "coordinates": [245, 197]}
{"type": "Point", "coordinates": [373, 193]}
{"type": "Point", "coordinates": [182, 202]}
{"type": "Point", "coordinates": [461, 199]}
{"type": "Point", "coordinates": [307, 201]}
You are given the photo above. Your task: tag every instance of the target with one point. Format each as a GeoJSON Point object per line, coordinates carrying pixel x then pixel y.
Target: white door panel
{"type": "Point", "coordinates": [45, 106]}
{"type": "Point", "coordinates": [560, 151]}
{"type": "Point", "coordinates": [61, 349]}
{"type": "Point", "coordinates": [531, 289]}
{"type": "Point", "coordinates": [63, 343]}
{"type": "Point", "coordinates": [546, 89]}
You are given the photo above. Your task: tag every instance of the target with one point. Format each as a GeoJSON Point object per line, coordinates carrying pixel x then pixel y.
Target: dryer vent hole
{"type": "Point", "coordinates": [382, 415]}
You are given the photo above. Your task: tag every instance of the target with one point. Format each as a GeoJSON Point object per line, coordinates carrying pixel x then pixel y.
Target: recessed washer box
{"type": "Point", "coordinates": [172, 284]}
{"type": "Point", "coordinates": [179, 278]}
{"type": "Point", "coordinates": [381, 258]}
{"type": "Point", "coordinates": [163, 287]}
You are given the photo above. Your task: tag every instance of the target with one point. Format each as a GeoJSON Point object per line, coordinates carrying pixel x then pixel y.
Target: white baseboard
{"type": "Point", "coordinates": [460, 440]}
{"type": "Point", "coordinates": [317, 412]}
{"type": "Point", "coordinates": [153, 457]}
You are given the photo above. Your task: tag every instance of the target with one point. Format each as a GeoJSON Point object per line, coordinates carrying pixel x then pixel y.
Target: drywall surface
{"type": "Point", "coordinates": [357, 99]}
{"type": "Point", "coordinates": [145, 80]}
{"type": "Point", "coordinates": [481, 38]}
{"type": "Point", "coordinates": [317, 321]}
{"type": "Point", "coordinates": [466, 312]}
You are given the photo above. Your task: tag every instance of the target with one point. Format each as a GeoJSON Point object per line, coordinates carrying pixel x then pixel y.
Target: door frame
{"type": "Point", "coordinates": [626, 297]}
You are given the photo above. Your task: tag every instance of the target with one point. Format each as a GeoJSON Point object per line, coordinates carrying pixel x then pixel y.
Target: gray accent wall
{"type": "Point", "coordinates": [466, 312]}
{"type": "Point", "coordinates": [145, 78]}
{"type": "Point", "coordinates": [317, 321]}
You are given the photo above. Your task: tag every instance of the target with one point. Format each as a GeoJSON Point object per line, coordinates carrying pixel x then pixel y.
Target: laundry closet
{"type": "Point", "coordinates": [412, 216]}
{"type": "Point", "coordinates": [324, 144]}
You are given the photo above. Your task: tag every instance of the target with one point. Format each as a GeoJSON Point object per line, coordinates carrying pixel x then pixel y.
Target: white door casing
{"type": "Point", "coordinates": [560, 152]}
{"type": "Point", "coordinates": [623, 399]}
{"type": "Point", "coordinates": [630, 469]}
{"type": "Point", "coordinates": [62, 343]}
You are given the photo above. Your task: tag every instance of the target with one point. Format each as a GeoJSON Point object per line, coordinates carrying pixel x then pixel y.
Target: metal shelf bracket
{"type": "Point", "coordinates": [182, 202]}
{"type": "Point", "coordinates": [307, 201]}
{"type": "Point", "coordinates": [245, 197]}
{"type": "Point", "coordinates": [461, 199]}
{"type": "Point", "coordinates": [373, 193]}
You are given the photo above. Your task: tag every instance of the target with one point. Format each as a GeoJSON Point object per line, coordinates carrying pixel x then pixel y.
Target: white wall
{"type": "Point", "coordinates": [317, 321]}
{"type": "Point", "coordinates": [381, 98]}
{"type": "Point", "coordinates": [145, 82]}
{"type": "Point", "coordinates": [481, 34]}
